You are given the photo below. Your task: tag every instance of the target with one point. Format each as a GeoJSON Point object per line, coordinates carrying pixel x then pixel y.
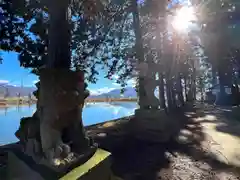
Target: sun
{"type": "Point", "coordinates": [183, 18]}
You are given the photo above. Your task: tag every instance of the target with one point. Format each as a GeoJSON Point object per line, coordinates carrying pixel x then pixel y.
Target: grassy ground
{"type": "Point", "coordinates": [194, 153]}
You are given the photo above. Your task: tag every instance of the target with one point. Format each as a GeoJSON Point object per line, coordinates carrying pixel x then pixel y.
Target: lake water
{"type": "Point", "coordinates": [92, 114]}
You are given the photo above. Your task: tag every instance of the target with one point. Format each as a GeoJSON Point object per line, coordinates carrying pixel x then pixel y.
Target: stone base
{"type": "Point", "coordinates": [151, 125]}
{"type": "Point", "coordinates": [97, 167]}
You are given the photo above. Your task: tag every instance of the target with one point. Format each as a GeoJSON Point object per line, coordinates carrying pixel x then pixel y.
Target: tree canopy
{"type": "Point", "coordinates": [103, 36]}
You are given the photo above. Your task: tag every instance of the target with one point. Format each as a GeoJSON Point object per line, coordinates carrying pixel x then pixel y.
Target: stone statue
{"type": "Point", "coordinates": [54, 136]}
{"type": "Point", "coordinates": [29, 131]}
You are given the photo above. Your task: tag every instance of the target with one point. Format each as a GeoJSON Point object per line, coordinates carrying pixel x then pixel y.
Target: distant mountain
{"type": "Point", "coordinates": [129, 92]}
{"type": "Point", "coordinates": [25, 91]}
{"type": "Point", "coordinates": [13, 90]}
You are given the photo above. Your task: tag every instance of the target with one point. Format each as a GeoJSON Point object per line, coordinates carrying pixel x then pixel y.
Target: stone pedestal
{"type": "Point", "coordinates": [151, 125]}
{"type": "Point", "coordinates": [23, 168]}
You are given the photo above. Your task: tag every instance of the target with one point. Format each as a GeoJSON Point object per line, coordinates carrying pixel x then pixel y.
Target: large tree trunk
{"type": "Point", "coordinates": [161, 91]}
{"type": "Point", "coordinates": [192, 84]}
{"type": "Point", "coordinates": [180, 89]}
{"type": "Point", "coordinates": [139, 51]}
{"type": "Point", "coordinates": [59, 35]}
{"type": "Point", "coordinates": [214, 75]}
{"type": "Point", "coordinates": [159, 10]}
{"type": "Point", "coordinates": [225, 78]}
{"type": "Point", "coordinates": [194, 89]}
{"type": "Point", "coordinates": [174, 93]}
{"type": "Point", "coordinates": [224, 81]}
{"type": "Point", "coordinates": [190, 91]}
{"type": "Point", "coordinates": [185, 87]}
{"type": "Point", "coordinates": [62, 90]}
{"type": "Point", "coordinates": [169, 94]}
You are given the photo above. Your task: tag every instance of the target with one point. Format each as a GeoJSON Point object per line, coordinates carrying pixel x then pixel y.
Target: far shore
{"type": "Point", "coordinates": [14, 101]}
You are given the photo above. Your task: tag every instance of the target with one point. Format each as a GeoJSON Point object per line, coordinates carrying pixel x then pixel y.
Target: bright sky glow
{"type": "Point", "coordinates": [183, 18]}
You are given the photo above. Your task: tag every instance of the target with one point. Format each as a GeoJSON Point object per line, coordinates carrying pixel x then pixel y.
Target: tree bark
{"type": "Point", "coordinates": [160, 11]}
{"type": "Point", "coordinates": [185, 87]}
{"type": "Point", "coordinates": [161, 91]}
{"type": "Point", "coordinates": [180, 89]}
{"type": "Point", "coordinates": [62, 91]}
{"type": "Point", "coordinates": [59, 35]}
{"type": "Point", "coordinates": [169, 94]}
{"type": "Point", "coordinates": [214, 76]}
{"type": "Point", "coordinates": [194, 90]}
{"type": "Point", "coordinates": [223, 81]}
{"type": "Point", "coordinates": [139, 49]}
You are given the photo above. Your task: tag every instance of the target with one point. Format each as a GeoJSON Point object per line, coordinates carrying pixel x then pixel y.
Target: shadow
{"type": "Point", "coordinates": [131, 158]}
{"type": "Point", "coordinates": [226, 120]}
{"type": "Point", "coordinates": [183, 157]}
{"type": "Point", "coordinates": [230, 130]}
{"type": "Point", "coordinates": [4, 149]}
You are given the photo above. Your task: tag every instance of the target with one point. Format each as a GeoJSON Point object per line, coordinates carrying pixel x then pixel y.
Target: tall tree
{"type": "Point", "coordinates": [47, 48]}
{"type": "Point", "coordinates": [217, 42]}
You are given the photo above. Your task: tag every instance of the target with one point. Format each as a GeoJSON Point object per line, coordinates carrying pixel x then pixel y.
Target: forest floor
{"type": "Point", "coordinates": [206, 147]}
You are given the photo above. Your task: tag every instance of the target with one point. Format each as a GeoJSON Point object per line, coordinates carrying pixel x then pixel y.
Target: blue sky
{"type": "Point", "coordinates": [12, 73]}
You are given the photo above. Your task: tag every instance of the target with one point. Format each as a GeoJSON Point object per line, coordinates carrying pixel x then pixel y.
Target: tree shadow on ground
{"type": "Point", "coordinates": [226, 119]}
{"type": "Point", "coordinates": [4, 158]}
{"type": "Point", "coordinates": [183, 157]}
{"type": "Point", "coordinates": [230, 130]}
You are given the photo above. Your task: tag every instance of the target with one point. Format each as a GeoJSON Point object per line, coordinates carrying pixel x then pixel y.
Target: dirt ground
{"type": "Point", "coordinates": [200, 151]}
{"type": "Point", "coordinates": [206, 147]}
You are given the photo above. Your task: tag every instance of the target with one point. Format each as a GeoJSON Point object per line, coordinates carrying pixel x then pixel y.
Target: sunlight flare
{"type": "Point", "coordinates": [183, 18]}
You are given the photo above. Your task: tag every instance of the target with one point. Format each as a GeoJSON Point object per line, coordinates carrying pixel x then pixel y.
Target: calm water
{"type": "Point", "coordinates": [92, 114]}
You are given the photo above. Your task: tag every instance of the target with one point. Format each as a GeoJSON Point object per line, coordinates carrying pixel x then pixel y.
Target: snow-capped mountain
{"type": "Point", "coordinates": [13, 90]}
{"type": "Point", "coordinates": [25, 91]}
{"type": "Point", "coordinates": [129, 92]}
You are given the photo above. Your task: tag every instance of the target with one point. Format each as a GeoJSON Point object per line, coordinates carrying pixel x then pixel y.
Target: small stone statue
{"type": "Point", "coordinates": [62, 96]}
{"type": "Point", "coordinates": [29, 134]}
{"type": "Point", "coordinates": [29, 131]}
